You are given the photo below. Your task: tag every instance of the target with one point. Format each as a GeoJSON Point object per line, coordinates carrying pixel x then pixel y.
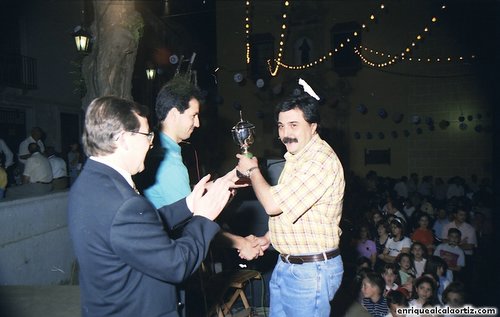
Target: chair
{"type": "Point", "coordinates": [223, 289]}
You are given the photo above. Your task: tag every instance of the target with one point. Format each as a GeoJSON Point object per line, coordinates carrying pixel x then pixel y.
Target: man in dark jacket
{"type": "Point", "coordinates": [129, 266]}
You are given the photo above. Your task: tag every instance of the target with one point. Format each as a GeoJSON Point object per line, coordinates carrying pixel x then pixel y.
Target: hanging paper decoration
{"type": "Point", "coordinates": [478, 128]}
{"type": "Point", "coordinates": [259, 83]}
{"type": "Point", "coordinates": [415, 119]}
{"type": "Point", "coordinates": [444, 124]}
{"type": "Point", "coordinates": [173, 59]}
{"type": "Point", "coordinates": [429, 121]}
{"type": "Point", "coordinates": [369, 135]}
{"type": "Point", "coordinates": [362, 109]}
{"type": "Point", "coordinates": [394, 134]}
{"type": "Point", "coordinates": [479, 116]}
{"type": "Point", "coordinates": [470, 117]}
{"type": "Point", "coordinates": [381, 135]}
{"type": "Point", "coordinates": [238, 78]}
{"type": "Point", "coordinates": [382, 113]}
{"type": "Point", "coordinates": [461, 118]}
{"type": "Point", "coordinates": [397, 117]}
{"type": "Point", "coordinates": [462, 126]}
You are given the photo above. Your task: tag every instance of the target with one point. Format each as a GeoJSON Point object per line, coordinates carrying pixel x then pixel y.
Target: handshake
{"type": "Point", "coordinates": [251, 247]}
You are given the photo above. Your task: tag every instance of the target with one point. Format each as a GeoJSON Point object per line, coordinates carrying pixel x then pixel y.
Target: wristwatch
{"type": "Point", "coordinates": [249, 171]}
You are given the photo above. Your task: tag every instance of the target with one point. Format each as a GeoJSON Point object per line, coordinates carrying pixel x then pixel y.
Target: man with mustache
{"type": "Point", "coordinates": [305, 208]}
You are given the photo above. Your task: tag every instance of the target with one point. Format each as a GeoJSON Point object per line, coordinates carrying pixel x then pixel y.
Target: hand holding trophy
{"type": "Point", "coordinates": [243, 134]}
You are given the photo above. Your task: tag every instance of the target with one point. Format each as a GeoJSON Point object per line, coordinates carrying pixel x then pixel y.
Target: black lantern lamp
{"type": "Point", "coordinates": [150, 72]}
{"type": "Point", "coordinates": [82, 39]}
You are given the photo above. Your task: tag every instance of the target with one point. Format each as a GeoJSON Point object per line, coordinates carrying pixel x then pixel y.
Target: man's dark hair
{"type": "Point", "coordinates": [33, 148]}
{"type": "Point", "coordinates": [305, 103]}
{"type": "Point", "coordinates": [176, 94]}
{"type": "Point", "coordinates": [454, 231]}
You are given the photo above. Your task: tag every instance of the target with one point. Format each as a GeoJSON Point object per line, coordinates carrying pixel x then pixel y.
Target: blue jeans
{"type": "Point", "coordinates": [298, 290]}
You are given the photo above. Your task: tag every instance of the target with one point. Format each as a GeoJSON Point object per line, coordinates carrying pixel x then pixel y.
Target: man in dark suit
{"type": "Point", "coordinates": [129, 266]}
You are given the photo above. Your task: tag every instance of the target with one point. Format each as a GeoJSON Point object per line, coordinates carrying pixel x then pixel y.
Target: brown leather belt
{"type": "Point", "coordinates": [299, 259]}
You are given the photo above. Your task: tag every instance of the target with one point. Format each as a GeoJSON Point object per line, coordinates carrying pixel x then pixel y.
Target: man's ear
{"type": "Point", "coordinates": [123, 141]}
{"type": "Point", "coordinates": [172, 114]}
{"type": "Point", "coordinates": [314, 127]}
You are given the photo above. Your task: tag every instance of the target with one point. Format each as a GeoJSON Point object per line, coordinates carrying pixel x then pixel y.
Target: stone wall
{"type": "Point", "coordinates": [35, 248]}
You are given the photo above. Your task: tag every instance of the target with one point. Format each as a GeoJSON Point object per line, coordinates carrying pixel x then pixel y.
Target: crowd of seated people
{"type": "Point", "coordinates": [37, 169]}
{"type": "Point", "coordinates": [430, 242]}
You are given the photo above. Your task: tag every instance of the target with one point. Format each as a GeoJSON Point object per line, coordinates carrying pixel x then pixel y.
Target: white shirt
{"type": "Point", "coordinates": [395, 247]}
{"type": "Point", "coordinates": [9, 157]}
{"type": "Point", "coordinates": [467, 231]}
{"type": "Point", "coordinates": [453, 255]}
{"type": "Point", "coordinates": [38, 168]}
{"type": "Point", "coordinates": [58, 165]}
{"type": "Point", "coordinates": [23, 147]}
{"type": "Point", "coordinates": [419, 267]}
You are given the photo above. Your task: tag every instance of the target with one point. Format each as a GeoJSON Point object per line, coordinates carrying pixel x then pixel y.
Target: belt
{"type": "Point", "coordinates": [45, 183]}
{"type": "Point", "coordinates": [299, 259]}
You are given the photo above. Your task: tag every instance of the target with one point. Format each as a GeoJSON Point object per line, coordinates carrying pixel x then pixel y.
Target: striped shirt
{"type": "Point", "coordinates": [378, 309]}
{"type": "Point", "coordinates": [309, 193]}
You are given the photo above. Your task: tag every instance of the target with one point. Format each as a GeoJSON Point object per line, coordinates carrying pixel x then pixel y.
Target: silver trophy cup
{"type": "Point", "coordinates": [243, 134]}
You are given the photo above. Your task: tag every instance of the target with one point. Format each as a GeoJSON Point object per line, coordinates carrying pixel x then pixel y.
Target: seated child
{"type": "Point", "coordinates": [390, 274]}
{"type": "Point", "coordinates": [419, 252]}
{"type": "Point", "coordinates": [395, 300]}
{"type": "Point", "coordinates": [373, 300]}
{"type": "Point", "coordinates": [454, 295]}
{"type": "Point", "coordinates": [406, 269]}
{"type": "Point", "coordinates": [451, 252]}
{"type": "Point", "coordinates": [424, 292]}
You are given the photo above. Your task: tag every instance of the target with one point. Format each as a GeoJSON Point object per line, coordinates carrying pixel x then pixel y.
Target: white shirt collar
{"type": "Point", "coordinates": [120, 170]}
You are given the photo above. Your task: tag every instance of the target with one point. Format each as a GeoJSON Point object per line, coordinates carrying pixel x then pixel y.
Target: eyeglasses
{"type": "Point", "coordinates": [150, 135]}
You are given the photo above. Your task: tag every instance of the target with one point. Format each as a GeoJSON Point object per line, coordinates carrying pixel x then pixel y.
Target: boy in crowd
{"type": "Point", "coordinates": [373, 299]}
{"type": "Point", "coordinates": [451, 252]}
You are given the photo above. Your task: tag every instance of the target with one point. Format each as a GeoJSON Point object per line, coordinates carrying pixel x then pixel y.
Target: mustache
{"type": "Point", "coordinates": [289, 140]}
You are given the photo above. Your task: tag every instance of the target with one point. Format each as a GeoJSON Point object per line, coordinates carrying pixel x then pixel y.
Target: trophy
{"type": "Point", "coordinates": [243, 134]}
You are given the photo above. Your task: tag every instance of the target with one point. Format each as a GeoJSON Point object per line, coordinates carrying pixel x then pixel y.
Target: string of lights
{"type": "Point", "coordinates": [394, 58]}
{"type": "Point", "coordinates": [284, 27]}
{"type": "Point", "coordinates": [401, 56]}
{"type": "Point", "coordinates": [323, 58]}
{"type": "Point", "coordinates": [247, 29]}
{"type": "Point", "coordinates": [391, 59]}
